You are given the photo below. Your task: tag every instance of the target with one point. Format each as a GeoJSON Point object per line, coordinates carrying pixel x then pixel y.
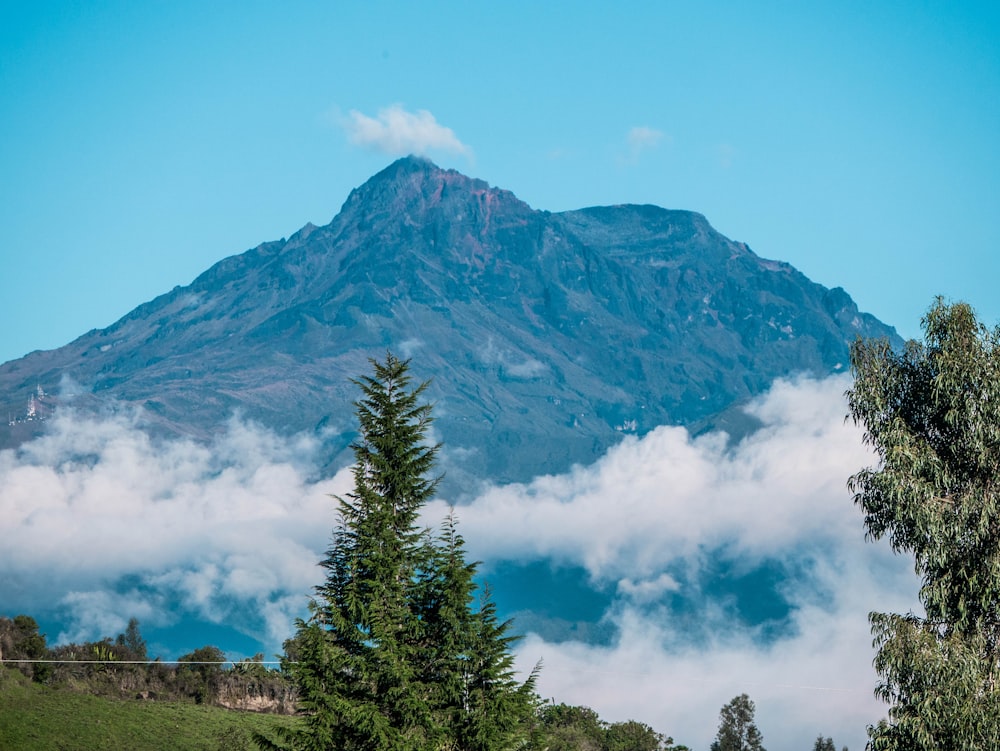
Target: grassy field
{"type": "Point", "coordinates": [43, 718]}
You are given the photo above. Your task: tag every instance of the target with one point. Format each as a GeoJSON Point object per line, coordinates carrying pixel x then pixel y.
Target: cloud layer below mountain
{"type": "Point", "coordinates": [101, 523]}
{"type": "Point", "coordinates": [655, 516]}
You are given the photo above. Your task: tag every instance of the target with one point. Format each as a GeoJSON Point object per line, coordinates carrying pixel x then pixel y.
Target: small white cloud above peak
{"type": "Point", "coordinates": [727, 155]}
{"type": "Point", "coordinates": [641, 138]}
{"type": "Point", "coordinates": [396, 132]}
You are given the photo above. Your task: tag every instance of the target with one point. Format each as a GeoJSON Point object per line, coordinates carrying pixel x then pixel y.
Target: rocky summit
{"type": "Point", "coordinates": [548, 336]}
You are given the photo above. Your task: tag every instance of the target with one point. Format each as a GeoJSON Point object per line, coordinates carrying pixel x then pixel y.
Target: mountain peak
{"type": "Point", "coordinates": [414, 186]}
{"type": "Point", "coordinates": [551, 334]}
{"type": "Point", "coordinates": [411, 163]}
{"type": "Point", "coordinates": [413, 168]}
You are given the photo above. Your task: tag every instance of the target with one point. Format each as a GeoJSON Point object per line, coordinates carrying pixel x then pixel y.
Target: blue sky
{"type": "Point", "coordinates": [142, 142]}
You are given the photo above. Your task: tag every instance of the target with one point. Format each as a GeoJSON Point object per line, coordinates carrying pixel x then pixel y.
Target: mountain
{"type": "Point", "coordinates": [547, 335]}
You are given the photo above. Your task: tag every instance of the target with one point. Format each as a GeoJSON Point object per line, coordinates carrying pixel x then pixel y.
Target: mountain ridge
{"type": "Point", "coordinates": [548, 335]}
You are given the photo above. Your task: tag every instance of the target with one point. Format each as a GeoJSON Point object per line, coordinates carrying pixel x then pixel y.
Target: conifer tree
{"type": "Point", "coordinates": [393, 657]}
{"type": "Point", "coordinates": [468, 654]}
{"type": "Point", "coordinates": [497, 706]}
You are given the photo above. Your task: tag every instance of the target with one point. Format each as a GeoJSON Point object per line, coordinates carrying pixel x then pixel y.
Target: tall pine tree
{"type": "Point", "coordinates": [394, 657]}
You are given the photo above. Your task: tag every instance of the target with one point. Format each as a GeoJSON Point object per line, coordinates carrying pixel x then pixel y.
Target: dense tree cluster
{"type": "Point", "coordinates": [932, 414]}
{"type": "Point", "coordinates": [568, 728]}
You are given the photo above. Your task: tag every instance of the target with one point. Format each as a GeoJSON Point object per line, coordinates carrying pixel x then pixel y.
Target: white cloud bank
{"type": "Point", "coordinates": [105, 523]}
{"type": "Point", "coordinates": [397, 132]}
{"type": "Point", "coordinates": [653, 500]}
{"type": "Point", "coordinates": [666, 503]}
{"type": "Point", "coordinates": [236, 523]}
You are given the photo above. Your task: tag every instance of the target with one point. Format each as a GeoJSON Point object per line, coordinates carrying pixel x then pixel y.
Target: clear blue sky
{"type": "Point", "coordinates": [142, 142]}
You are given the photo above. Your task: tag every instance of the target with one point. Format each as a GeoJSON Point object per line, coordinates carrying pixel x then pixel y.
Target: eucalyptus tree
{"type": "Point", "coordinates": [737, 729]}
{"type": "Point", "coordinates": [931, 412]}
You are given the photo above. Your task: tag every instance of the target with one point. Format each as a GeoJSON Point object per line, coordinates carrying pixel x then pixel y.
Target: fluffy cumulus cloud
{"type": "Point", "coordinates": [103, 523]}
{"type": "Point", "coordinates": [652, 518]}
{"type": "Point", "coordinates": [115, 524]}
{"type": "Point", "coordinates": [652, 500]}
{"type": "Point", "coordinates": [397, 132]}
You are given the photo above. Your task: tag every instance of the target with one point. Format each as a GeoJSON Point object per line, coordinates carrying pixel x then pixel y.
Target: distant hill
{"type": "Point", "coordinates": [548, 335]}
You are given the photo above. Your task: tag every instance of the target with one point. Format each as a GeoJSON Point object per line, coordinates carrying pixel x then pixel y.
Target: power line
{"type": "Point", "coordinates": [146, 662]}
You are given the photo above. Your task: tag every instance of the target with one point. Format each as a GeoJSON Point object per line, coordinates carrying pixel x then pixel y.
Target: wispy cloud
{"type": "Point", "coordinates": [726, 154]}
{"type": "Point", "coordinates": [643, 137]}
{"type": "Point", "coordinates": [640, 139]}
{"type": "Point", "coordinates": [397, 132]}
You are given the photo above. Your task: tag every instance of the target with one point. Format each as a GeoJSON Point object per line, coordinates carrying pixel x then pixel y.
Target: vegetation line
{"type": "Point", "coordinates": [292, 662]}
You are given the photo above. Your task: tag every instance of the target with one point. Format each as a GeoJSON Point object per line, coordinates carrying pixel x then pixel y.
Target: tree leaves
{"type": "Point", "coordinates": [932, 415]}
{"type": "Point", "coordinates": [737, 730]}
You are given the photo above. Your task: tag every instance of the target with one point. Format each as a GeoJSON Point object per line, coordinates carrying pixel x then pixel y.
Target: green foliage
{"type": "Point", "coordinates": [737, 731]}
{"type": "Point", "coordinates": [252, 667]}
{"type": "Point", "coordinates": [207, 661]}
{"type": "Point", "coordinates": [825, 744]}
{"type": "Point", "coordinates": [932, 415]}
{"type": "Point", "coordinates": [570, 728]}
{"type": "Point", "coordinates": [633, 736]}
{"type": "Point", "coordinates": [199, 672]}
{"type": "Point", "coordinates": [108, 668]}
{"type": "Point", "coordinates": [131, 640]}
{"type": "Point", "coordinates": [20, 640]}
{"type": "Point", "coordinates": [394, 657]}
{"type": "Point", "coordinates": [29, 643]}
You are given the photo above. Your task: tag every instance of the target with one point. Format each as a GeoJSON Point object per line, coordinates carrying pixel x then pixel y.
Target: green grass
{"type": "Point", "coordinates": [44, 718]}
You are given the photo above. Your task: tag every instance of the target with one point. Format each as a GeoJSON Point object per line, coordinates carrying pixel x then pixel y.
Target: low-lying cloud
{"type": "Point", "coordinates": [667, 496]}
{"type": "Point", "coordinates": [105, 522]}
{"type": "Point", "coordinates": [101, 523]}
{"type": "Point", "coordinates": [669, 504]}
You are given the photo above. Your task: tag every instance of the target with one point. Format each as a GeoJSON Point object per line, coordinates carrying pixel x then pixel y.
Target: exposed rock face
{"type": "Point", "coordinates": [257, 696]}
{"type": "Point", "coordinates": [547, 335]}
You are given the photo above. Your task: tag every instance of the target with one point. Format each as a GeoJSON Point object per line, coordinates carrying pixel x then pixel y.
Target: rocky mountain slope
{"type": "Point", "coordinates": [548, 335]}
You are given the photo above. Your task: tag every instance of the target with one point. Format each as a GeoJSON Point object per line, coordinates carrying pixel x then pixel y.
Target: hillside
{"type": "Point", "coordinates": [38, 717]}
